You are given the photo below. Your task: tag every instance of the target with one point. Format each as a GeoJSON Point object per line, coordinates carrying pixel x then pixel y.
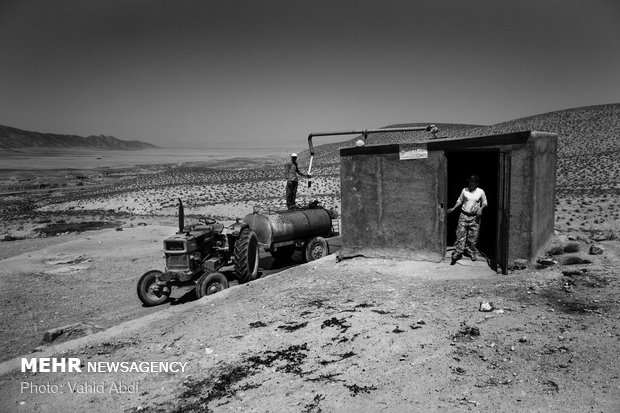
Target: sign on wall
{"type": "Point", "coordinates": [412, 151]}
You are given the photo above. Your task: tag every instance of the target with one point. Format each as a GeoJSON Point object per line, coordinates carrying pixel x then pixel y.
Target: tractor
{"type": "Point", "coordinates": [196, 255]}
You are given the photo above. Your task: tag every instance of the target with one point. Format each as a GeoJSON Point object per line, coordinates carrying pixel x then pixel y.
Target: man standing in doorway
{"type": "Point", "coordinates": [291, 172]}
{"type": "Point", "coordinates": [472, 201]}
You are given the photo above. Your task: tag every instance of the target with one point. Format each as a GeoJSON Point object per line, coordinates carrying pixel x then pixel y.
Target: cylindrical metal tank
{"type": "Point", "coordinates": [289, 225]}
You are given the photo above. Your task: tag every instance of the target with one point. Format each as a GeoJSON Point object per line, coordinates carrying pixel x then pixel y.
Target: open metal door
{"type": "Point", "coordinates": [442, 206]}
{"type": "Point", "coordinates": [503, 212]}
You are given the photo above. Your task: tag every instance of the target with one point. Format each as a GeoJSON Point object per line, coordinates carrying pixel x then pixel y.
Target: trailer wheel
{"type": "Point", "coordinates": [211, 283]}
{"type": "Point", "coordinates": [315, 248]}
{"type": "Point", "coordinates": [245, 256]}
{"type": "Point", "coordinates": [145, 291]}
{"type": "Point", "coordinates": [283, 253]}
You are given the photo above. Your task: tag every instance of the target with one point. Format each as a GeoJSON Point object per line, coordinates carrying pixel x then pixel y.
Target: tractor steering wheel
{"type": "Point", "coordinates": [207, 220]}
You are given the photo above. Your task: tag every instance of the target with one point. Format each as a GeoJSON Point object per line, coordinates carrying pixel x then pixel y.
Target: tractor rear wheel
{"type": "Point", "coordinates": [315, 248]}
{"type": "Point", "coordinates": [283, 253]}
{"type": "Point", "coordinates": [211, 283]}
{"type": "Point", "coordinates": [245, 256]}
{"type": "Point", "coordinates": [145, 291]}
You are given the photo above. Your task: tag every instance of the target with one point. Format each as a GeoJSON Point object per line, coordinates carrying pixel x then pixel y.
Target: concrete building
{"type": "Point", "coordinates": [395, 196]}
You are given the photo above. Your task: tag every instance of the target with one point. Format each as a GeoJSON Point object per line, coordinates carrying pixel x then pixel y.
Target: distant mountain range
{"type": "Point", "coordinates": [13, 139]}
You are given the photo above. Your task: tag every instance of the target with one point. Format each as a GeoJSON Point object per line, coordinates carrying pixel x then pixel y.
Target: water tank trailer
{"type": "Point", "coordinates": [283, 232]}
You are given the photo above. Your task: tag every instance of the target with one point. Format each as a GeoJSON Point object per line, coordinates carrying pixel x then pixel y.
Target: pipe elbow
{"type": "Point", "coordinates": [310, 146]}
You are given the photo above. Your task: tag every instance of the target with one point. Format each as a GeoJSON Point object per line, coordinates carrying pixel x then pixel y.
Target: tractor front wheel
{"type": "Point", "coordinates": [210, 284]}
{"type": "Point", "coordinates": [245, 256]}
{"type": "Point", "coordinates": [315, 248]}
{"type": "Point", "coordinates": [148, 295]}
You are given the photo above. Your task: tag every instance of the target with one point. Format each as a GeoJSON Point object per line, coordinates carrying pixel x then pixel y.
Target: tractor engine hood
{"type": "Point", "coordinates": [184, 243]}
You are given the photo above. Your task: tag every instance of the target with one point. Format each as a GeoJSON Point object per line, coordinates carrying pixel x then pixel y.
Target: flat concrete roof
{"type": "Point", "coordinates": [512, 138]}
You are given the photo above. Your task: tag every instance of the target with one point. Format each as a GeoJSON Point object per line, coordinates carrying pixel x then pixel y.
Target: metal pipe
{"type": "Point", "coordinates": [430, 128]}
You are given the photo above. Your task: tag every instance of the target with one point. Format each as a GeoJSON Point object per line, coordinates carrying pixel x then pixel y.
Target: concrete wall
{"type": "Point", "coordinates": [521, 199]}
{"type": "Point", "coordinates": [391, 207]}
{"type": "Point", "coordinates": [532, 196]}
{"type": "Point", "coordinates": [543, 214]}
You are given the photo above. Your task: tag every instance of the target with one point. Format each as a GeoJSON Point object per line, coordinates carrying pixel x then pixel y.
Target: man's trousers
{"type": "Point", "coordinates": [291, 193]}
{"type": "Point", "coordinates": [467, 231]}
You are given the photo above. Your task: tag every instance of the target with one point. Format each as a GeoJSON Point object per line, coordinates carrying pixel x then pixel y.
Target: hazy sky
{"type": "Point", "coordinates": [247, 72]}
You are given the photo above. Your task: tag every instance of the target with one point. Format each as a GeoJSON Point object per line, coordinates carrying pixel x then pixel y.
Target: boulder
{"type": "Point", "coordinates": [596, 249]}
{"type": "Point", "coordinates": [518, 264]}
{"type": "Point", "coordinates": [486, 306]}
{"type": "Point", "coordinates": [574, 259]}
{"type": "Point", "coordinates": [546, 262]}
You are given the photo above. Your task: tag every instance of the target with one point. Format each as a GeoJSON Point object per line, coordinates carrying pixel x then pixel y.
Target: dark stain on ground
{"type": "Point", "coordinates": [313, 407]}
{"type": "Point", "coordinates": [62, 227]}
{"type": "Point", "coordinates": [215, 387]}
{"type": "Point", "coordinates": [222, 383]}
{"type": "Point", "coordinates": [335, 322]}
{"type": "Point", "coordinates": [356, 389]}
{"type": "Point", "coordinates": [326, 377]}
{"type": "Point", "coordinates": [288, 360]}
{"type": "Point", "coordinates": [289, 327]}
{"type": "Point", "coordinates": [318, 303]}
{"type": "Point", "coordinates": [364, 305]}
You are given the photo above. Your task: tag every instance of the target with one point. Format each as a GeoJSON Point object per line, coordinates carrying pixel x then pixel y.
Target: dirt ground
{"type": "Point", "coordinates": [87, 278]}
{"type": "Point", "coordinates": [356, 335]}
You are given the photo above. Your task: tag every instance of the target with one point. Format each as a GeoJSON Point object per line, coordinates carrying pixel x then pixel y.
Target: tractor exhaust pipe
{"type": "Point", "coordinates": [430, 128]}
{"type": "Point", "coordinates": [181, 217]}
